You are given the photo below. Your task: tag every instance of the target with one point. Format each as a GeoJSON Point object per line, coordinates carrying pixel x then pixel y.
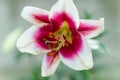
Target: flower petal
{"type": "Point", "coordinates": [93, 44]}
{"type": "Point", "coordinates": [50, 64]}
{"type": "Point", "coordinates": [26, 42]}
{"type": "Point", "coordinates": [64, 10]}
{"type": "Point", "coordinates": [91, 28]}
{"type": "Point", "coordinates": [35, 15]}
{"type": "Point", "coordinates": [43, 35]}
{"type": "Point", "coordinates": [86, 55]}
{"type": "Point", "coordinates": [77, 55]}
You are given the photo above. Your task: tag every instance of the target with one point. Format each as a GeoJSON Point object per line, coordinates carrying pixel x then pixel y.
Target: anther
{"type": "Point", "coordinates": [50, 42]}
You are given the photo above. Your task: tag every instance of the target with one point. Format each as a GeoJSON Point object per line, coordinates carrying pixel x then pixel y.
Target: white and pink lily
{"type": "Point", "coordinates": [61, 34]}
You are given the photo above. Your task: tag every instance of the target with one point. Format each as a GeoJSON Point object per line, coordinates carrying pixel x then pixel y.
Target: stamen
{"type": "Point", "coordinates": [52, 53]}
{"type": "Point", "coordinates": [47, 42]}
{"type": "Point", "coordinates": [55, 45]}
{"type": "Point", "coordinates": [51, 44]}
{"type": "Point", "coordinates": [60, 44]}
{"type": "Point", "coordinates": [51, 35]}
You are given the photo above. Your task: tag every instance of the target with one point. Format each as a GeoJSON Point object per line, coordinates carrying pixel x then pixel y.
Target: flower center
{"type": "Point", "coordinates": [64, 31]}
{"type": "Point", "coordinates": [55, 45]}
{"type": "Point", "coordinates": [62, 37]}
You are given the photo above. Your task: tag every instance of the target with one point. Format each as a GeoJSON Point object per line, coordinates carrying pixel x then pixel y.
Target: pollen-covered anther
{"type": "Point", "coordinates": [51, 35]}
{"type": "Point", "coordinates": [52, 53]}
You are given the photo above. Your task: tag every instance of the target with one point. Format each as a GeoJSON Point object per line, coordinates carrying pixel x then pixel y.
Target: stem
{"type": "Point", "coordinates": [86, 75]}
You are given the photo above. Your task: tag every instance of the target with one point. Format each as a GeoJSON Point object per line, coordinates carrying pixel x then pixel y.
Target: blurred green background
{"type": "Point", "coordinates": [17, 66]}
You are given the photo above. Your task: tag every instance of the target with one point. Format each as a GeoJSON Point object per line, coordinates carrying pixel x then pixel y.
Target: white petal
{"type": "Point", "coordinates": [73, 63]}
{"type": "Point", "coordinates": [26, 42]}
{"type": "Point", "coordinates": [49, 65]}
{"type": "Point", "coordinates": [80, 59]}
{"type": "Point", "coordinates": [93, 44]}
{"type": "Point", "coordinates": [86, 55]}
{"type": "Point", "coordinates": [68, 7]}
{"type": "Point", "coordinates": [91, 28]}
{"type": "Point", "coordinates": [35, 15]}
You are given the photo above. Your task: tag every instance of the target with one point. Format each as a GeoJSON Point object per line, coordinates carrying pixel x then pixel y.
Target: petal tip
{"type": "Point", "coordinates": [46, 74]}
{"type": "Point", "coordinates": [102, 24]}
{"type": "Point", "coordinates": [18, 45]}
{"type": "Point", "coordinates": [43, 74]}
{"type": "Point", "coordinates": [87, 67]}
{"type": "Point", "coordinates": [84, 68]}
{"type": "Point", "coordinates": [25, 10]}
{"type": "Point", "coordinates": [91, 66]}
{"type": "Point", "coordinates": [35, 15]}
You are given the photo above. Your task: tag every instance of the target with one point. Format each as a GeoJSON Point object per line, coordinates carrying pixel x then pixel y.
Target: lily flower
{"type": "Point", "coordinates": [61, 35]}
